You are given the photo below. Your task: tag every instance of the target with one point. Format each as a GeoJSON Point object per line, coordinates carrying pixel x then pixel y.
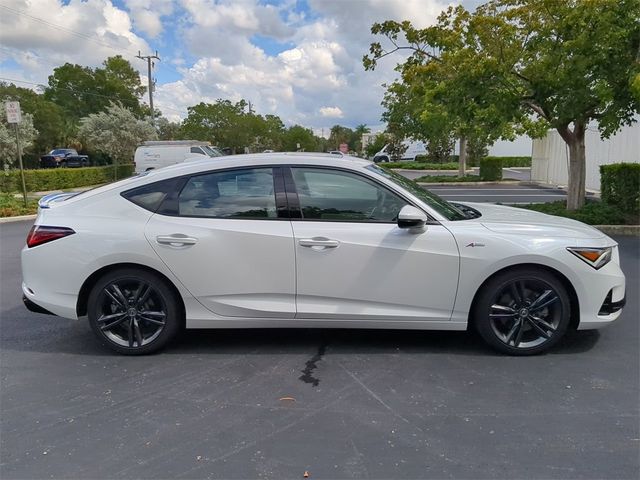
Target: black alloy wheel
{"type": "Point", "coordinates": [133, 311]}
{"type": "Point", "coordinates": [523, 312]}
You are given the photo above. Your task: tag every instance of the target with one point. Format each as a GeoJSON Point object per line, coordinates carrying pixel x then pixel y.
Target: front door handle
{"type": "Point", "coordinates": [176, 240]}
{"type": "Point", "coordinates": [318, 243]}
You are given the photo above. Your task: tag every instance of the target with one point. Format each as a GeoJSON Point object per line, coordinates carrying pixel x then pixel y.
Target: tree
{"type": "Point", "coordinates": [340, 134]}
{"type": "Point", "coordinates": [8, 146]}
{"type": "Point", "coordinates": [299, 138]}
{"type": "Point", "coordinates": [80, 91]}
{"type": "Point", "coordinates": [168, 130]}
{"type": "Point", "coordinates": [377, 144]}
{"type": "Point", "coordinates": [220, 123]}
{"type": "Point", "coordinates": [116, 132]}
{"type": "Point", "coordinates": [359, 131]}
{"type": "Point", "coordinates": [48, 118]}
{"type": "Point", "coordinates": [517, 66]}
{"type": "Point", "coordinates": [439, 148]}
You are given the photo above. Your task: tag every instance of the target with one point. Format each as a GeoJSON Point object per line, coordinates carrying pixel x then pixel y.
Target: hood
{"type": "Point", "coordinates": [502, 219]}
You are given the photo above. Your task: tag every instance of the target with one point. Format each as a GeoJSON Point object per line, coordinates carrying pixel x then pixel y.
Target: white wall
{"type": "Point", "coordinates": [550, 159]}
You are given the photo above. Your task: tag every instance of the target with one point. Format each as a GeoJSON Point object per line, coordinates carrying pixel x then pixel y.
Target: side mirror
{"type": "Point", "coordinates": [412, 218]}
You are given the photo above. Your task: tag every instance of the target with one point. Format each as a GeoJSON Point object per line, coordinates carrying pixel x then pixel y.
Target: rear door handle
{"type": "Point", "coordinates": [318, 243]}
{"type": "Point", "coordinates": [176, 240]}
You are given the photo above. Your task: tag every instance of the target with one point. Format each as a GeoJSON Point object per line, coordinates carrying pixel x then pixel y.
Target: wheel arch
{"type": "Point", "coordinates": [83, 295]}
{"type": "Point", "coordinates": [573, 296]}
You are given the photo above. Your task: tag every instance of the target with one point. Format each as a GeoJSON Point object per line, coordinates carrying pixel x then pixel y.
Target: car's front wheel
{"type": "Point", "coordinates": [522, 312]}
{"type": "Point", "coordinates": [133, 311]}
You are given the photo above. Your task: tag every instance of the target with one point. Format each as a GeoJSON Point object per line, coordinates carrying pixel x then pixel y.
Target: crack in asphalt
{"type": "Point", "coordinates": [311, 365]}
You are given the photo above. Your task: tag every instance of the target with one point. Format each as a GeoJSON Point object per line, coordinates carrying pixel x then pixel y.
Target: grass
{"type": "Point", "coordinates": [11, 206]}
{"type": "Point", "coordinates": [593, 213]}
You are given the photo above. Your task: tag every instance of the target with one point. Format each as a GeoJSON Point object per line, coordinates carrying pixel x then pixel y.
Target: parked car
{"type": "Point", "coordinates": [63, 157]}
{"type": "Point", "coordinates": [311, 240]}
{"type": "Point", "coordinates": [413, 149]}
{"type": "Point", "coordinates": [157, 154]}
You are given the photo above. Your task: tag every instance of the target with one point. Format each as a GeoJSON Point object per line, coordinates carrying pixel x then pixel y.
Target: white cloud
{"type": "Point", "coordinates": [147, 14]}
{"type": "Point", "coordinates": [47, 33]}
{"type": "Point", "coordinates": [331, 112]}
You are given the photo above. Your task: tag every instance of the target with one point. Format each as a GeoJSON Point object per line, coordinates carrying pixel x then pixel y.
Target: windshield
{"type": "Point", "coordinates": [211, 151]}
{"type": "Point", "coordinates": [444, 208]}
{"type": "Point", "coordinates": [59, 151]}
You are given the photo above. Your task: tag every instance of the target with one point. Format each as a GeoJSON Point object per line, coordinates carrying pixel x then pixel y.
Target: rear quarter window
{"type": "Point", "coordinates": [151, 196]}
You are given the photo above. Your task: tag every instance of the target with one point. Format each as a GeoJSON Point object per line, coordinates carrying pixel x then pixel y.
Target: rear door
{"type": "Point", "coordinates": [225, 235]}
{"type": "Point", "coordinates": [354, 263]}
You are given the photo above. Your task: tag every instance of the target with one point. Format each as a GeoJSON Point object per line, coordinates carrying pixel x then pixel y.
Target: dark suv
{"type": "Point", "coordinates": [63, 157]}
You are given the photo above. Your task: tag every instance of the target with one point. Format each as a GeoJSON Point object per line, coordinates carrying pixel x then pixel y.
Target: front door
{"type": "Point", "coordinates": [224, 239]}
{"type": "Point", "coordinates": [353, 262]}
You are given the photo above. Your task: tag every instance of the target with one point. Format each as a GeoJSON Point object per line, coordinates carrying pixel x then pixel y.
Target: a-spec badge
{"type": "Point", "coordinates": [476, 244]}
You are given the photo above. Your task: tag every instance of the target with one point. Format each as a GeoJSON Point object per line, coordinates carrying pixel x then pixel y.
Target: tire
{"type": "Point", "coordinates": [63, 164]}
{"type": "Point", "coordinates": [140, 316]}
{"type": "Point", "coordinates": [524, 311]}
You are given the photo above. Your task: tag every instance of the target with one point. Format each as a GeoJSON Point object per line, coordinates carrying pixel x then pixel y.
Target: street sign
{"type": "Point", "coordinates": [13, 112]}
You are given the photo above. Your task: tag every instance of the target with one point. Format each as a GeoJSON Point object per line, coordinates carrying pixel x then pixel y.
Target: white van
{"type": "Point", "coordinates": [414, 148]}
{"type": "Point", "coordinates": [157, 154]}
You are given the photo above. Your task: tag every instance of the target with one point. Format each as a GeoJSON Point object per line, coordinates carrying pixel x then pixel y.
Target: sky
{"type": "Point", "coordinates": [298, 59]}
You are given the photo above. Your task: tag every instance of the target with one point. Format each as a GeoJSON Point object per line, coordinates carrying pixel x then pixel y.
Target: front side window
{"type": "Point", "coordinates": [335, 195]}
{"type": "Point", "coordinates": [246, 193]}
{"type": "Point", "coordinates": [197, 150]}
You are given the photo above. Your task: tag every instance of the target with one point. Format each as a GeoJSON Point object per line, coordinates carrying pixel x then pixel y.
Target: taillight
{"type": "Point", "coordinates": [40, 234]}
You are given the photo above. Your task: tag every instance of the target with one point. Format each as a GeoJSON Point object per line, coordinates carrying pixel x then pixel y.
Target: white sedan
{"type": "Point", "coordinates": [311, 240]}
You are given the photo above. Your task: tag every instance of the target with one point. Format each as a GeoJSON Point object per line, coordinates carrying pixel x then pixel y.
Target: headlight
{"type": "Point", "coordinates": [596, 257]}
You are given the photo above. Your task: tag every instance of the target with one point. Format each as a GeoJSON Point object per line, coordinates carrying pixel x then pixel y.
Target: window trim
{"type": "Point", "coordinates": [278, 193]}
{"type": "Point", "coordinates": [294, 201]}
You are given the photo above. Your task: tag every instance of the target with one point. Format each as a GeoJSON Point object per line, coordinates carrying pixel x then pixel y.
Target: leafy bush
{"type": "Point", "coordinates": [61, 178]}
{"type": "Point", "coordinates": [506, 161]}
{"type": "Point", "coordinates": [593, 213]}
{"type": "Point", "coordinates": [420, 165]}
{"type": "Point", "coordinates": [11, 206]}
{"type": "Point", "coordinates": [620, 185]}
{"type": "Point", "coordinates": [491, 169]}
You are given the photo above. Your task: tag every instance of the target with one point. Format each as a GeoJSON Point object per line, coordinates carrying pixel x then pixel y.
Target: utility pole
{"type": "Point", "coordinates": [150, 65]}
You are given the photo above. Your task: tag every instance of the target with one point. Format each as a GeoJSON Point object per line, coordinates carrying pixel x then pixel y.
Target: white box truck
{"type": "Point", "coordinates": [157, 154]}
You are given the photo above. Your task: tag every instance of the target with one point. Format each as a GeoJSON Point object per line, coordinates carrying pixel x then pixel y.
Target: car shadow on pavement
{"type": "Point", "coordinates": [54, 334]}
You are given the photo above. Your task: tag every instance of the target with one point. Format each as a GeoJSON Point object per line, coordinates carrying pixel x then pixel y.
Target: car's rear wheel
{"type": "Point", "coordinates": [133, 311]}
{"type": "Point", "coordinates": [522, 312]}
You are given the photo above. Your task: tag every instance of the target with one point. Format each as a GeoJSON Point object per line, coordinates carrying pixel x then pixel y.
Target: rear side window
{"type": "Point", "coordinates": [246, 193]}
{"type": "Point", "coordinates": [152, 195]}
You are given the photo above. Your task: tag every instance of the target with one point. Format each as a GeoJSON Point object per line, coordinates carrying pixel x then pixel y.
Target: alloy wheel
{"type": "Point", "coordinates": [131, 312]}
{"type": "Point", "coordinates": [525, 313]}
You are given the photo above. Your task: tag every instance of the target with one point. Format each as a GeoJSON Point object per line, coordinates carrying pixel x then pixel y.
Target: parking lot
{"type": "Point", "coordinates": [336, 404]}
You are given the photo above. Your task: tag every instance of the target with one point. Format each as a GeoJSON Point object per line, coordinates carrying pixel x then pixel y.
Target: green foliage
{"type": "Point", "coordinates": [299, 135]}
{"type": "Point", "coordinates": [377, 144]}
{"type": "Point", "coordinates": [81, 91]}
{"type": "Point", "coordinates": [517, 66]}
{"type": "Point", "coordinates": [521, 161]}
{"type": "Point", "coordinates": [592, 213]}
{"type": "Point", "coordinates": [12, 206]}
{"type": "Point", "coordinates": [620, 186]}
{"type": "Point", "coordinates": [61, 178]}
{"type": "Point", "coordinates": [116, 132]}
{"type": "Point", "coordinates": [447, 179]}
{"type": "Point", "coordinates": [420, 165]}
{"type": "Point", "coordinates": [491, 169]}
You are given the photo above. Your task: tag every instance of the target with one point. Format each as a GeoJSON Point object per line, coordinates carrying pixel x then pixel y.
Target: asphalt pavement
{"type": "Point", "coordinates": [336, 404]}
{"type": "Point", "coordinates": [505, 194]}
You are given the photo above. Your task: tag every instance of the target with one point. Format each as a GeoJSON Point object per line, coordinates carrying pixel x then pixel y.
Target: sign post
{"type": "Point", "coordinates": [14, 115]}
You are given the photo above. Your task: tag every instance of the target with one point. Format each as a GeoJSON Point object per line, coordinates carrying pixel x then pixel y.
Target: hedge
{"type": "Point", "coordinates": [491, 169]}
{"type": "Point", "coordinates": [620, 186]}
{"type": "Point", "coordinates": [61, 178]}
{"type": "Point", "coordinates": [411, 165]}
{"type": "Point", "coordinates": [507, 161]}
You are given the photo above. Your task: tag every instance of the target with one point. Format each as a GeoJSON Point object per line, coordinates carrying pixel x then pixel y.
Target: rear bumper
{"type": "Point", "coordinates": [34, 307]}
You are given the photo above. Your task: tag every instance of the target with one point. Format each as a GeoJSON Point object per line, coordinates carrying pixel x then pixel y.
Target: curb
{"type": "Point", "coordinates": [633, 230]}
{"type": "Point", "coordinates": [20, 218]}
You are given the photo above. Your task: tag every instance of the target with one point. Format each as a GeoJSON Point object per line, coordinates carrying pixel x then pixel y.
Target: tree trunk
{"type": "Point", "coordinates": [577, 165]}
{"type": "Point", "coordinates": [462, 159]}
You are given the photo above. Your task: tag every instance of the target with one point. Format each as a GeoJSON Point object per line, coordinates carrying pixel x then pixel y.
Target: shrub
{"type": "Point", "coordinates": [620, 185]}
{"type": "Point", "coordinates": [410, 165]}
{"type": "Point", "coordinates": [506, 161]}
{"type": "Point", "coordinates": [61, 178]}
{"type": "Point", "coordinates": [491, 169]}
{"type": "Point", "coordinates": [593, 212]}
